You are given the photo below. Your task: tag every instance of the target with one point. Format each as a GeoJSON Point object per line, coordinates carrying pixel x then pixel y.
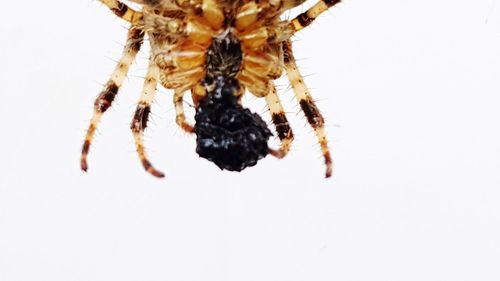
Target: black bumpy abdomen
{"type": "Point", "coordinates": [227, 134]}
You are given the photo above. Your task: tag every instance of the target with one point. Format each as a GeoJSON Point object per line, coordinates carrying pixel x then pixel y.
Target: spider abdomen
{"type": "Point", "coordinates": [230, 136]}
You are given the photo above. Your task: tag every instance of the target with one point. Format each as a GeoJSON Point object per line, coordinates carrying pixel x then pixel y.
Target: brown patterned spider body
{"type": "Point", "coordinates": [216, 50]}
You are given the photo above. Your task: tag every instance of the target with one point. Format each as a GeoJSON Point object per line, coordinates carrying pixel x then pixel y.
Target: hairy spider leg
{"type": "Point", "coordinates": [180, 117]}
{"type": "Point", "coordinates": [102, 103]}
{"type": "Point", "coordinates": [141, 116]}
{"type": "Point", "coordinates": [307, 104]}
{"type": "Point", "coordinates": [280, 121]}
{"type": "Point", "coordinates": [306, 18]}
{"type": "Point", "coordinates": [123, 11]}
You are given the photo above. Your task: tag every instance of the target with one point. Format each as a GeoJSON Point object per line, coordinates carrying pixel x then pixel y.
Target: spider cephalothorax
{"type": "Point", "coordinates": [216, 49]}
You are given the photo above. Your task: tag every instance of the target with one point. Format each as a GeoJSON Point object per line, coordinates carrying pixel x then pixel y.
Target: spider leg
{"type": "Point", "coordinates": [307, 104]}
{"type": "Point", "coordinates": [123, 11]}
{"type": "Point", "coordinates": [307, 17]}
{"type": "Point", "coordinates": [106, 97]}
{"type": "Point", "coordinates": [280, 121]}
{"type": "Point", "coordinates": [180, 118]}
{"type": "Point", "coordinates": [140, 120]}
{"type": "Point", "coordinates": [284, 30]}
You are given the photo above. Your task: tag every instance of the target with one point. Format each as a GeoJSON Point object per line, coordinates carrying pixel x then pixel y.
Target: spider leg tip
{"type": "Point", "coordinates": [329, 170]}
{"type": "Point", "coordinates": [83, 165]}
{"type": "Point", "coordinates": [160, 175]}
{"type": "Point", "coordinates": [156, 173]}
{"type": "Point", "coordinates": [278, 153]}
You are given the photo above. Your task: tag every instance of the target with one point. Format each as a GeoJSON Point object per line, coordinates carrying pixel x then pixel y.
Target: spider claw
{"type": "Point", "coordinates": [329, 166]}
{"type": "Point", "coordinates": [85, 151]}
{"type": "Point", "coordinates": [187, 128]}
{"type": "Point", "coordinates": [151, 170]}
{"type": "Point", "coordinates": [278, 153]}
{"type": "Point", "coordinates": [156, 173]}
{"type": "Point", "coordinates": [329, 171]}
{"type": "Point", "coordinates": [84, 166]}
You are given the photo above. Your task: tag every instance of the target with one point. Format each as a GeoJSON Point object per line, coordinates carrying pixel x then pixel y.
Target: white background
{"type": "Point", "coordinates": [411, 94]}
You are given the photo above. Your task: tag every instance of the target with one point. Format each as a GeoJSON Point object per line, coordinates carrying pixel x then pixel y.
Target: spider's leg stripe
{"type": "Point", "coordinates": [307, 17]}
{"type": "Point", "coordinates": [282, 127]}
{"type": "Point", "coordinates": [180, 117]}
{"type": "Point", "coordinates": [280, 121]}
{"type": "Point", "coordinates": [108, 94]}
{"type": "Point", "coordinates": [141, 116]}
{"type": "Point", "coordinates": [123, 11]}
{"type": "Point", "coordinates": [313, 115]}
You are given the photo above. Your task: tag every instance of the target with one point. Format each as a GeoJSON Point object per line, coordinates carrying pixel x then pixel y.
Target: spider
{"type": "Point", "coordinates": [215, 49]}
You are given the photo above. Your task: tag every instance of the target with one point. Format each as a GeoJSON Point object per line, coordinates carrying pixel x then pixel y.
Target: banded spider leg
{"type": "Point", "coordinates": [105, 99]}
{"type": "Point", "coordinates": [280, 121]}
{"type": "Point", "coordinates": [141, 117]}
{"type": "Point", "coordinates": [307, 104]}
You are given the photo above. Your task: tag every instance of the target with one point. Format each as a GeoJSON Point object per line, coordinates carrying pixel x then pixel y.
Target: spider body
{"type": "Point", "coordinates": [216, 50]}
